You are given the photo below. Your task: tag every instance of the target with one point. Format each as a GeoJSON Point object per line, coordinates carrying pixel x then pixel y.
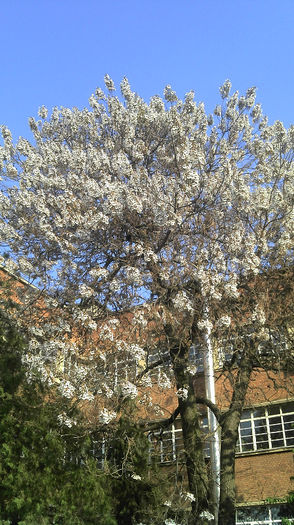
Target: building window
{"type": "Point", "coordinates": [125, 369]}
{"type": "Point", "coordinates": [196, 356]}
{"type": "Point", "coordinates": [262, 428]}
{"type": "Point", "coordinates": [157, 355]}
{"type": "Point", "coordinates": [262, 515]}
{"type": "Point", "coordinates": [167, 445]}
{"type": "Point", "coordinates": [265, 428]}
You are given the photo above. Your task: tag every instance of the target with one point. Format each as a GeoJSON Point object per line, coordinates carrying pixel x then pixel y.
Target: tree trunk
{"type": "Point", "coordinates": [229, 437]}
{"type": "Point", "coordinates": [193, 441]}
{"type": "Point", "coordinates": [195, 462]}
{"type": "Point", "coordinates": [192, 434]}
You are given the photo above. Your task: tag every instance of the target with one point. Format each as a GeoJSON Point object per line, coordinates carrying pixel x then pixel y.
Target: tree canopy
{"type": "Point", "coordinates": [168, 213]}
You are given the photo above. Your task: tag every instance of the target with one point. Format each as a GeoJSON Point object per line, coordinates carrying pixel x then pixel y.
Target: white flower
{"type": "Point", "coordinates": [106, 416]}
{"type": "Point", "coordinates": [169, 94]}
{"type": "Point", "coordinates": [258, 315]}
{"type": "Point", "coordinates": [87, 396]}
{"type": "Point", "coordinates": [163, 380]}
{"type": "Point", "coordinates": [146, 381]}
{"type": "Point", "coordinates": [92, 325]}
{"type": "Point", "coordinates": [43, 112]}
{"type": "Point", "coordinates": [188, 496]}
{"type": "Point", "coordinates": [86, 291]}
{"type": "Point", "coordinates": [204, 324]}
{"type": "Point", "coordinates": [36, 330]}
{"type": "Point", "coordinates": [128, 389]}
{"type": "Point", "coordinates": [136, 477]}
{"type": "Point", "coordinates": [192, 369]}
{"type": "Point", "coordinates": [108, 391]}
{"type": "Point", "coordinates": [109, 83]}
{"type": "Point", "coordinates": [225, 88]}
{"type": "Point", "coordinates": [66, 389]}
{"type": "Point", "coordinates": [206, 515]}
{"type": "Point", "coordinates": [224, 321]}
{"type": "Point", "coordinates": [137, 352]}
{"type": "Point", "coordinates": [182, 393]}
{"type": "Point", "coordinates": [182, 302]}
{"type": "Point", "coordinates": [63, 419]}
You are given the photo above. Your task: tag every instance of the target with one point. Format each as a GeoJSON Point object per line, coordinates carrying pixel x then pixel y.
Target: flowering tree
{"type": "Point", "coordinates": [165, 211]}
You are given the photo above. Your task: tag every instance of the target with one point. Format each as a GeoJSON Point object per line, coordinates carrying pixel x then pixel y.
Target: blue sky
{"type": "Point", "coordinates": [56, 52]}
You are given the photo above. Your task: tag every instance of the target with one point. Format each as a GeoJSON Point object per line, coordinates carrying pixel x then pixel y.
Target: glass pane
{"type": "Point", "coordinates": [246, 414]}
{"type": "Point", "coordinates": [247, 447]}
{"type": "Point", "coordinates": [288, 407]}
{"type": "Point", "coordinates": [261, 434]}
{"type": "Point", "coordinates": [289, 440]}
{"type": "Point", "coordinates": [289, 429]}
{"type": "Point", "coordinates": [276, 432]}
{"type": "Point", "coordinates": [289, 421]}
{"type": "Point", "coordinates": [246, 434]}
{"type": "Point", "coordinates": [245, 425]}
{"type": "Point", "coordinates": [249, 514]}
{"type": "Point", "coordinates": [262, 445]}
{"type": "Point", "coordinates": [258, 412]}
{"type": "Point", "coordinates": [260, 424]}
{"type": "Point", "coordinates": [273, 409]}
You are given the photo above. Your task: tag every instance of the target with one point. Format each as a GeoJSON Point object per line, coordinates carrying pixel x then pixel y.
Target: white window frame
{"type": "Point", "coordinates": [271, 520]}
{"type": "Point", "coordinates": [159, 440]}
{"type": "Point", "coordinates": [242, 448]}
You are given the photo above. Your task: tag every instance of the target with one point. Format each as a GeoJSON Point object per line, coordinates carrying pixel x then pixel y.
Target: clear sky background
{"type": "Point", "coordinates": [56, 52]}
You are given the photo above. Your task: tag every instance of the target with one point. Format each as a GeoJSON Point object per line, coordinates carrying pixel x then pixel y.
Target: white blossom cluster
{"type": "Point", "coordinates": [188, 496]}
{"type": "Point", "coordinates": [63, 419]}
{"type": "Point", "coordinates": [206, 515]}
{"type": "Point", "coordinates": [205, 324]}
{"type": "Point", "coordinates": [182, 393]}
{"type": "Point", "coordinates": [163, 380]}
{"type": "Point", "coordinates": [182, 302]}
{"type": "Point", "coordinates": [128, 389]}
{"type": "Point", "coordinates": [224, 321]}
{"type": "Point", "coordinates": [106, 416]}
{"type": "Point", "coordinates": [258, 315]}
{"type": "Point", "coordinates": [67, 389]}
{"type": "Point", "coordinates": [128, 203]}
{"type": "Point", "coordinates": [136, 477]}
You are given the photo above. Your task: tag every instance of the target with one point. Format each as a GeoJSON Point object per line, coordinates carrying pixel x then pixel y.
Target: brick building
{"type": "Point", "coordinates": [264, 466]}
{"type": "Point", "coordinates": [264, 456]}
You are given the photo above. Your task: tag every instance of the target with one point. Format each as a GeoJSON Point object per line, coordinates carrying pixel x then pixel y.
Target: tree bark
{"type": "Point", "coordinates": [195, 462]}
{"type": "Point", "coordinates": [192, 435]}
{"type": "Point", "coordinates": [229, 435]}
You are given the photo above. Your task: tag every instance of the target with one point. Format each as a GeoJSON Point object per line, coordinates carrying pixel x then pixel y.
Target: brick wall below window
{"type": "Point", "coordinates": [262, 476]}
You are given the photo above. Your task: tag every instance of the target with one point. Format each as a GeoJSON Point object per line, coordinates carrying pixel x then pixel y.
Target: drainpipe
{"type": "Point", "coordinates": [214, 443]}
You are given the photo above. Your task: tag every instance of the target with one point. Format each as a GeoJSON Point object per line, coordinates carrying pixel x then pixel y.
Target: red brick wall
{"type": "Point", "coordinates": [264, 388]}
{"type": "Point", "coordinates": [262, 476]}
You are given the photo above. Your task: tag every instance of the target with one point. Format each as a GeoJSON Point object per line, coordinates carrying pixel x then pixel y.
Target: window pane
{"type": "Point", "coordinates": [289, 429]}
{"type": "Point", "coordinates": [261, 434]}
{"type": "Point", "coordinates": [249, 514]}
{"type": "Point", "coordinates": [282, 511]}
{"type": "Point", "coordinates": [276, 432]}
{"type": "Point", "coordinates": [246, 435]}
{"type": "Point", "coordinates": [246, 414]}
{"type": "Point", "coordinates": [289, 421]}
{"type": "Point", "coordinates": [258, 412]}
{"type": "Point", "coordinates": [289, 440]}
{"type": "Point", "coordinates": [274, 409]}
{"type": "Point", "coordinates": [288, 407]}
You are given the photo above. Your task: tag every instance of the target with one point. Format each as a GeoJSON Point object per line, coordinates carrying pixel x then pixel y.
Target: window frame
{"type": "Point", "coordinates": [242, 446]}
